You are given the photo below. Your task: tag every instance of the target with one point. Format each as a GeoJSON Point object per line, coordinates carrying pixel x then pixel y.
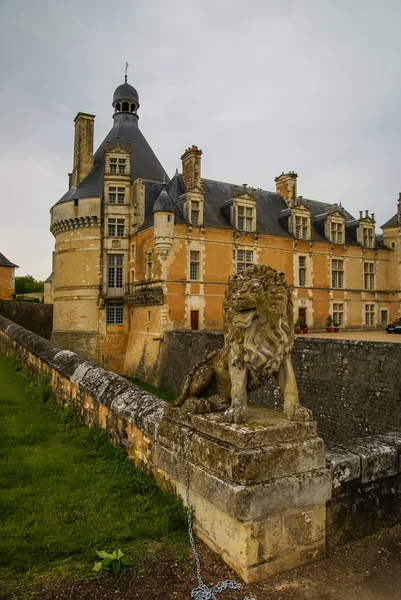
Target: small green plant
{"type": "Point", "coordinates": [329, 321]}
{"type": "Point", "coordinates": [112, 562]}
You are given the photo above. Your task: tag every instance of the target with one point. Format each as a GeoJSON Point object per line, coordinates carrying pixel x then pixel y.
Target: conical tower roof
{"type": "Point", "coordinates": [144, 162]}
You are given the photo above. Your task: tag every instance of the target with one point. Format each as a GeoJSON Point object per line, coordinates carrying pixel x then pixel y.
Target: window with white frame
{"type": "Point", "coordinates": [368, 235]}
{"type": "Point", "coordinates": [338, 313]}
{"type": "Point", "coordinates": [337, 273]}
{"type": "Point", "coordinates": [368, 276]}
{"type": "Point", "coordinates": [194, 212]}
{"type": "Point", "coordinates": [245, 218]}
{"type": "Point", "coordinates": [121, 195]}
{"type": "Point", "coordinates": [149, 264]}
{"type": "Point", "coordinates": [120, 227]}
{"type": "Point", "coordinates": [115, 313]}
{"type": "Point", "coordinates": [194, 265]}
{"type": "Point", "coordinates": [115, 270]}
{"type": "Point", "coordinates": [337, 233]}
{"type": "Point", "coordinates": [111, 223]}
{"type": "Point", "coordinates": [369, 315]}
{"type": "Point", "coordinates": [302, 271]}
{"type": "Point", "coordinates": [112, 195]}
{"type": "Point", "coordinates": [244, 259]}
{"type": "Point", "coordinates": [301, 227]}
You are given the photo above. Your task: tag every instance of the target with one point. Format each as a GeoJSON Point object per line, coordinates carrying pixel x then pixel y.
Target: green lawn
{"type": "Point", "coordinates": [65, 491]}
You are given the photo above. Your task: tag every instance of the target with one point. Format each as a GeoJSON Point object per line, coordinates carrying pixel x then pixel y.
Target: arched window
{"type": "Point", "coordinates": [132, 107]}
{"type": "Point", "coordinates": [118, 106]}
{"type": "Point", "coordinates": [125, 107]}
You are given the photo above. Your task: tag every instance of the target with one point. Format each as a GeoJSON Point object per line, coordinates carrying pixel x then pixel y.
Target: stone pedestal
{"type": "Point", "coordinates": [258, 489]}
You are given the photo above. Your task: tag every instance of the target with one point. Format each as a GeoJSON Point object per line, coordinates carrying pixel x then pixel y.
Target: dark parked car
{"type": "Point", "coordinates": [394, 327]}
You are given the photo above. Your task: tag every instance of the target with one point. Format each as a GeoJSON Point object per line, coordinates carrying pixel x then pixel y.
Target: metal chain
{"type": "Point", "coordinates": [202, 592]}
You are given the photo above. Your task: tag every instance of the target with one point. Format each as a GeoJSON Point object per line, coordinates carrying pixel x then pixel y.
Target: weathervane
{"type": "Point", "coordinates": [126, 69]}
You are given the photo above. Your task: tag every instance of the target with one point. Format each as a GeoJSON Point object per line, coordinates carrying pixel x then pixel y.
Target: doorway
{"type": "Point", "coordinates": [302, 316]}
{"type": "Point", "coordinates": [195, 319]}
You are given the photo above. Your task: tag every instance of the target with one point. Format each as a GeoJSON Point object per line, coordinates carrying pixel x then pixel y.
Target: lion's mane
{"type": "Point", "coordinates": [258, 322]}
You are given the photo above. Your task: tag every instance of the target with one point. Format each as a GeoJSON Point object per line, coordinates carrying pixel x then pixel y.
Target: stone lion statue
{"type": "Point", "coordinates": [258, 338]}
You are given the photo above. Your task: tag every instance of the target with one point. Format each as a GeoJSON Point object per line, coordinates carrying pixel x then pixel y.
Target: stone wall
{"type": "Point", "coordinates": [260, 494]}
{"type": "Point", "coordinates": [353, 388]}
{"type": "Point", "coordinates": [34, 316]}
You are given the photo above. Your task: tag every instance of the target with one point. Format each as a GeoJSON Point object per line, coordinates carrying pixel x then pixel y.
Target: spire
{"type": "Point", "coordinates": [126, 71]}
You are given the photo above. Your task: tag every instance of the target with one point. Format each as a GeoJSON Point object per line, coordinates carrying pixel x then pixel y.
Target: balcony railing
{"type": "Point", "coordinates": [144, 293]}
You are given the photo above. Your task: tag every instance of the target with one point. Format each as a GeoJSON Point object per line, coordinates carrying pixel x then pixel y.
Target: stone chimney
{"type": "Point", "coordinates": [83, 148]}
{"type": "Point", "coordinates": [286, 186]}
{"type": "Point", "coordinates": [191, 168]}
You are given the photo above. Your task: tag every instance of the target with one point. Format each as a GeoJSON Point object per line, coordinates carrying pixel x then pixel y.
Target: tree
{"type": "Point", "coordinates": [28, 284]}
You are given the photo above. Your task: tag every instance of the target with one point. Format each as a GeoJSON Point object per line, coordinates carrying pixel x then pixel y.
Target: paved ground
{"type": "Point", "coordinates": [373, 336]}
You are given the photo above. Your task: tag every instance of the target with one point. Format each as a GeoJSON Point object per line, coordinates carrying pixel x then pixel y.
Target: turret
{"type": "Point", "coordinates": [164, 213]}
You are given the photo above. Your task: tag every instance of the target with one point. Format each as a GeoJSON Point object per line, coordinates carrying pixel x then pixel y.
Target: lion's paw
{"type": "Point", "coordinates": [235, 414]}
{"type": "Point", "coordinates": [300, 413]}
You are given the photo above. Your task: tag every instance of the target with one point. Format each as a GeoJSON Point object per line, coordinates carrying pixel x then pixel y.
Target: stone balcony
{"type": "Point", "coordinates": [144, 293]}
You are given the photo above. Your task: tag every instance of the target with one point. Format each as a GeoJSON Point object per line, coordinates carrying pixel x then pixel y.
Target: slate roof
{"type": "Point", "coordinates": [125, 91]}
{"type": "Point", "coordinates": [144, 162]}
{"type": "Point", "coordinates": [271, 210]}
{"type": "Point", "coordinates": [164, 203]}
{"type": "Point", "coordinates": [49, 279]}
{"type": "Point", "coordinates": [4, 262]}
{"type": "Point", "coordinates": [391, 222]}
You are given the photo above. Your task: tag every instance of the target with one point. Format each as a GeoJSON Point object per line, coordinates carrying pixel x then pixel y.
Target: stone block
{"type": "Point", "coordinates": [344, 465]}
{"type": "Point", "coordinates": [245, 466]}
{"type": "Point", "coordinates": [378, 459]}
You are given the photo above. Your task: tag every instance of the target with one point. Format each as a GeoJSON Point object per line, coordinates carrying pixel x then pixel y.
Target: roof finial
{"type": "Point", "coordinates": [126, 69]}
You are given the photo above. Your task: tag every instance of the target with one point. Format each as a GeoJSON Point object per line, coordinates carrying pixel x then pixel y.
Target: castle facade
{"type": "Point", "coordinates": [137, 253]}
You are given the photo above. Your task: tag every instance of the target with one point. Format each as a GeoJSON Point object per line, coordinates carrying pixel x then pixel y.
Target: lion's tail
{"type": "Point", "coordinates": [188, 379]}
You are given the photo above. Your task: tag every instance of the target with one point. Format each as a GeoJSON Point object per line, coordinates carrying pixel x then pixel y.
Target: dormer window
{"type": "Point", "coordinates": [113, 165]}
{"type": "Point", "coordinates": [121, 166]}
{"type": "Point", "coordinates": [337, 233]}
{"type": "Point", "coordinates": [301, 227]}
{"type": "Point", "coordinates": [194, 212]}
{"type": "Point", "coordinates": [368, 236]}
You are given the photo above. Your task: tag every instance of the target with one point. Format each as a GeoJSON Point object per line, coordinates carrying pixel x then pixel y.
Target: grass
{"type": "Point", "coordinates": [156, 391]}
{"type": "Point", "coordinates": [66, 492]}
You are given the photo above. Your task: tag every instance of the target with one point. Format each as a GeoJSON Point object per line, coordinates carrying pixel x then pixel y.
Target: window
{"type": "Point", "coordinates": [121, 166]}
{"type": "Point", "coordinates": [120, 227]}
{"type": "Point", "coordinates": [244, 260]}
{"type": "Point", "coordinates": [112, 227]}
{"type": "Point", "coordinates": [121, 195]}
{"type": "Point", "coordinates": [302, 271]}
{"type": "Point", "coordinates": [301, 227]}
{"type": "Point", "coordinates": [368, 237]}
{"type": "Point", "coordinates": [132, 251]}
{"type": "Point", "coordinates": [115, 270]}
{"type": "Point", "coordinates": [337, 273]}
{"type": "Point", "coordinates": [369, 276]}
{"type": "Point", "coordinates": [194, 266]}
{"type": "Point", "coordinates": [115, 313]}
{"type": "Point", "coordinates": [113, 165]}
{"type": "Point", "coordinates": [369, 314]}
{"type": "Point", "coordinates": [337, 233]}
{"type": "Point", "coordinates": [149, 264]}
{"type": "Point", "coordinates": [168, 218]}
{"type": "Point", "coordinates": [245, 219]}
{"type": "Point", "coordinates": [194, 213]}
{"type": "Point", "coordinates": [112, 195]}
{"type": "Point", "coordinates": [392, 245]}
{"type": "Point", "coordinates": [338, 313]}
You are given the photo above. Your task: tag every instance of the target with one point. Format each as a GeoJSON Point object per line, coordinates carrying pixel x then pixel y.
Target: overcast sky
{"type": "Point", "coordinates": [260, 86]}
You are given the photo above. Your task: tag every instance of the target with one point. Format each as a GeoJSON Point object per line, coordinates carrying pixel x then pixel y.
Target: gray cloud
{"type": "Point", "coordinates": [262, 87]}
